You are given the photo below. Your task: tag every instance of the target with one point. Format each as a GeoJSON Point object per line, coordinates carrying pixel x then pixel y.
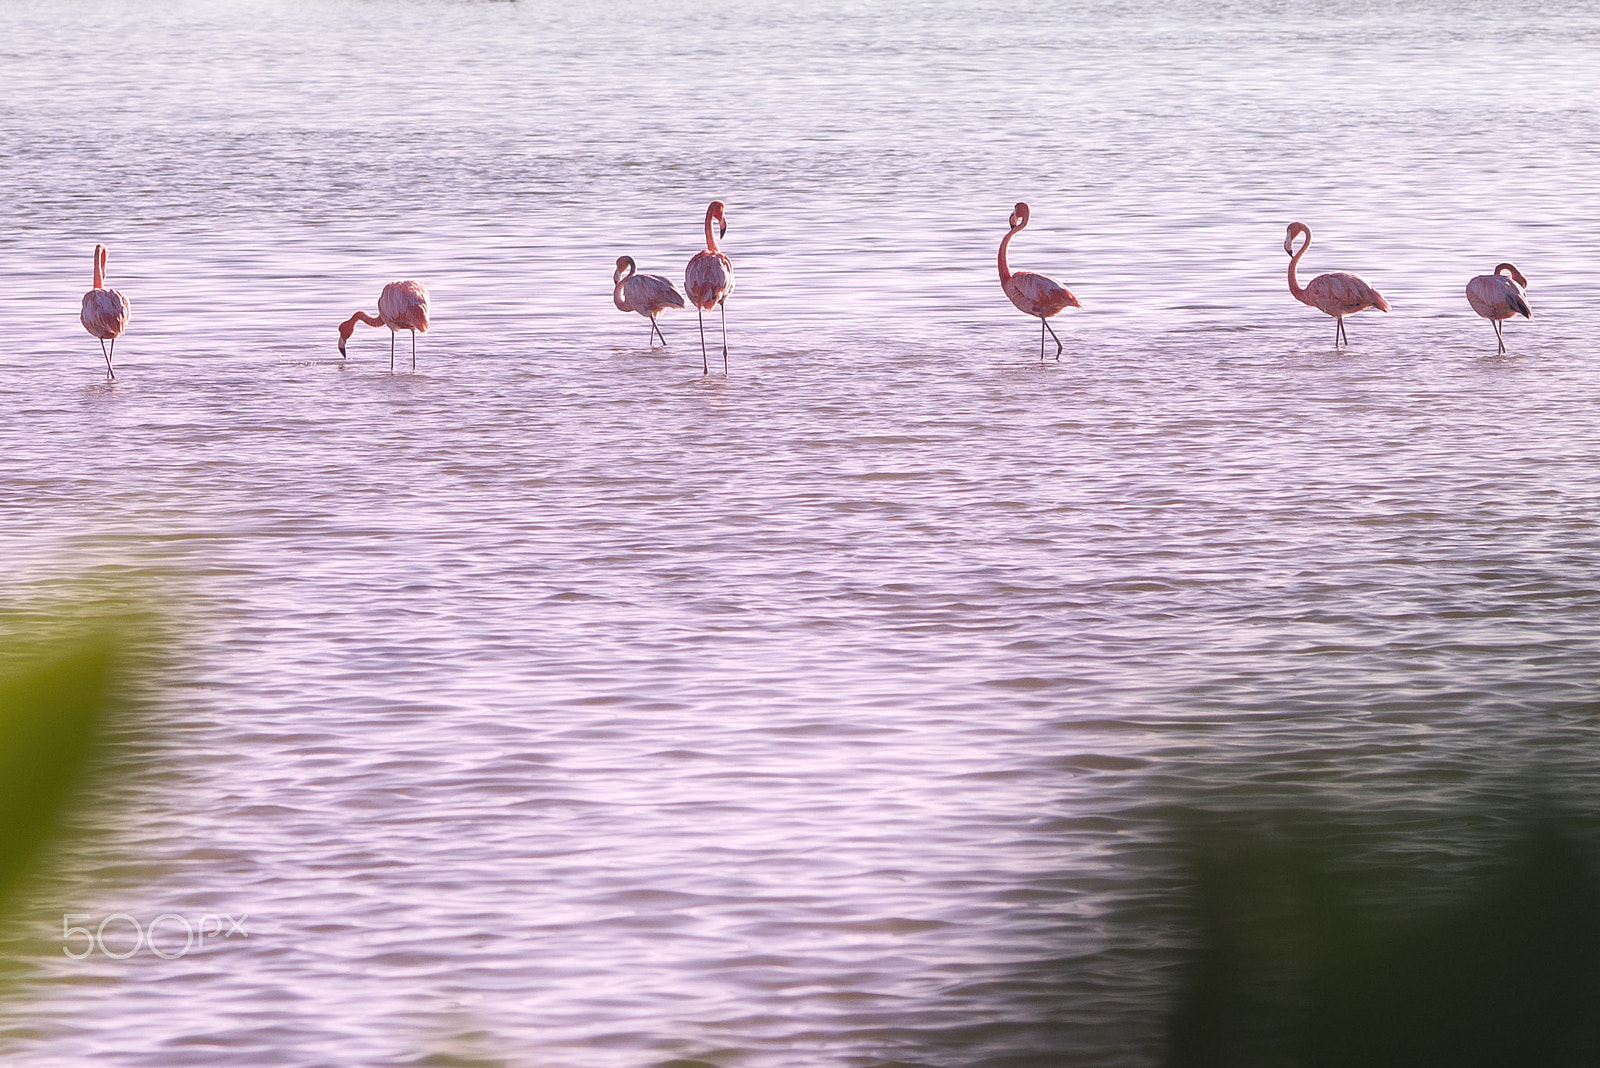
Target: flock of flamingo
{"type": "Point", "coordinates": [709, 281]}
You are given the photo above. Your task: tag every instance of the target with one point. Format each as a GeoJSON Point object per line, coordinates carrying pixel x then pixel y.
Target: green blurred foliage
{"type": "Point", "coordinates": [51, 708]}
{"type": "Point", "coordinates": [1300, 962]}
{"type": "Point", "coordinates": [75, 658]}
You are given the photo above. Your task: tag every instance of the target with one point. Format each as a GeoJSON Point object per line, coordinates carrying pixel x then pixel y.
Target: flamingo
{"type": "Point", "coordinates": [708, 280]}
{"type": "Point", "coordinates": [105, 311]}
{"type": "Point", "coordinates": [1337, 294]}
{"type": "Point", "coordinates": [1033, 294]}
{"type": "Point", "coordinates": [647, 294]}
{"type": "Point", "coordinates": [401, 306]}
{"type": "Point", "coordinates": [1496, 297]}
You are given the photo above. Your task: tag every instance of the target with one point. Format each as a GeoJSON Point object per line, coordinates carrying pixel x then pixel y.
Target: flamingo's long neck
{"type": "Point", "coordinates": [711, 232]}
{"type": "Point", "coordinates": [361, 317]}
{"type": "Point", "coordinates": [1511, 269]}
{"type": "Point", "coordinates": [1005, 242]}
{"type": "Point", "coordinates": [616, 292]}
{"type": "Point", "coordinates": [1295, 288]}
{"type": "Point", "coordinates": [99, 267]}
{"type": "Point", "coordinates": [348, 327]}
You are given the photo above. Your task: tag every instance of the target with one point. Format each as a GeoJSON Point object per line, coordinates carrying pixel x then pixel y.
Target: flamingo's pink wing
{"type": "Point", "coordinates": [105, 313]}
{"type": "Point", "coordinates": [404, 306]}
{"type": "Point", "coordinates": [708, 279]}
{"type": "Point", "coordinates": [1495, 296]}
{"type": "Point", "coordinates": [649, 293]}
{"type": "Point", "coordinates": [1343, 294]}
{"type": "Point", "coordinates": [1038, 294]}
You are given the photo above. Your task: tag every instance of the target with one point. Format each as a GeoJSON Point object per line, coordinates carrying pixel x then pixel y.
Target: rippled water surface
{"type": "Point", "coordinates": [557, 704]}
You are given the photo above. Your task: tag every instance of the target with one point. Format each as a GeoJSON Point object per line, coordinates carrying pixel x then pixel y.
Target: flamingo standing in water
{"type": "Point", "coordinates": [1337, 294]}
{"type": "Point", "coordinates": [401, 306]}
{"type": "Point", "coordinates": [105, 311]}
{"type": "Point", "coordinates": [709, 280]}
{"type": "Point", "coordinates": [1496, 297]}
{"type": "Point", "coordinates": [1034, 294]}
{"type": "Point", "coordinates": [647, 294]}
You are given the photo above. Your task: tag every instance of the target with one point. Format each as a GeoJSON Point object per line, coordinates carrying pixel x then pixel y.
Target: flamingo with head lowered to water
{"type": "Point", "coordinates": [401, 306]}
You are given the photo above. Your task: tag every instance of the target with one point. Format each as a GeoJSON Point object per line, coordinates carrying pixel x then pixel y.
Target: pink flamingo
{"type": "Point", "coordinates": [1496, 297]}
{"type": "Point", "coordinates": [105, 311]}
{"type": "Point", "coordinates": [1337, 294]}
{"type": "Point", "coordinates": [647, 294]}
{"type": "Point", "coordinates": [1033, 294]}
{"type": "Point", "coordinates": [709, 281]}
{"type": "Point", "coordinates": [401, 306]}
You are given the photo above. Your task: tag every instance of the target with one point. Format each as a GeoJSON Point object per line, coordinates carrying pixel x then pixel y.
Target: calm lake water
{"type": "Point", "coordinates": [559, 705]}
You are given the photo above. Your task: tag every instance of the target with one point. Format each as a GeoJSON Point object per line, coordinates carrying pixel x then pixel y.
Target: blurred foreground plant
{"type": "Point", "coordinates": [50, 710]}
{"type": "Point", "coordinates": [1300, 960]}
{"type": "Point", "coordinates": [66, 667]}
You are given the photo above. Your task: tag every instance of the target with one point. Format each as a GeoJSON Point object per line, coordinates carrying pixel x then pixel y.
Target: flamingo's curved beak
{"type": "Point", "coordinates": [723, 230]}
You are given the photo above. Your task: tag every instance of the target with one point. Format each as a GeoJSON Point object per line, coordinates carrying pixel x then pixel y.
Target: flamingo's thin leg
{"type": "Point", "coordinates": [1053, 337]}
{"type": "Point", "coordinates": [724, 306]}
{"type": "Point", "coordinates": [413, 350]}
{"type": "Point", "coordinates": [109, 372]}
{"type": "Point", "coordinates": [705, 364]}
{"type": "Point", "coordinates": [391, 352]}
{"type": "Point", "coordinates": [1499, 336]}
{"type": "Point", "coordinates": [657, 327]}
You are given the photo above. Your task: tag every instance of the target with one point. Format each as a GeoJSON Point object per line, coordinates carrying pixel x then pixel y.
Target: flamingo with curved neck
{"type": "Point", "coordinates": [105, 311]}
{"type": "Point", "coordinates": [1337, 294]}
{"type": "Point", "coordinates": [647, 294]}
{"type": "Point", "coordinates": [401, 306]}
{"type": "Point", "coordinates": [1033, 294]}
{"type": "Point", "coordinates": [1497, 297]}
{"type": "Point", "coordinates": [709, 281]}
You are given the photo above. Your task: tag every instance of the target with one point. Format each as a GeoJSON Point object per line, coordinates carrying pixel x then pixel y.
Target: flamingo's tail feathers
{"type": "Point", "coordinates": [1378, 301]}
{"type": "Point", "coordinates": [1073, 300]}
{"type": "Point", "coordinates": [1520, 306]}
